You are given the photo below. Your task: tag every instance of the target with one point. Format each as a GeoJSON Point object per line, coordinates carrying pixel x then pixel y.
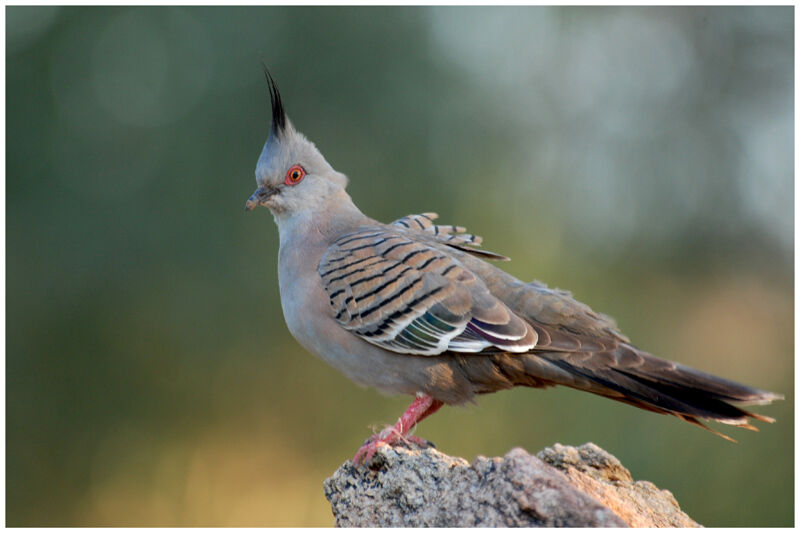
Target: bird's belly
{"type": "Point", "coordinates": [309, 318]}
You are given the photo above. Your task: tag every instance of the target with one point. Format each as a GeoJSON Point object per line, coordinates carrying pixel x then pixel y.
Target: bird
{"type": "Point", "coordinates": [418, 308]}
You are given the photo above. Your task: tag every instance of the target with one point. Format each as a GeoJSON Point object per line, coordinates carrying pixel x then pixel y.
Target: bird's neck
{"type": "Point", "coordinates": [321, 226]}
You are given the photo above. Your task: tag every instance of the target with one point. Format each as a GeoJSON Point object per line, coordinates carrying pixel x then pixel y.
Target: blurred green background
{"type": "Point", "coordinates": [640, 157]}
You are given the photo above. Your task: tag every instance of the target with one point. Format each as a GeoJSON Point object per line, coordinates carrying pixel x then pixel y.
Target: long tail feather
{"type": "Point", "coordinates": [638, 378]}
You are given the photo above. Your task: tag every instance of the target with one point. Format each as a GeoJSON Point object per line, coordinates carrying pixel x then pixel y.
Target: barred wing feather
{"type": "Point", "coordinates": [453, 236]}
{"type": "Point", "coordinates": [397, 290]}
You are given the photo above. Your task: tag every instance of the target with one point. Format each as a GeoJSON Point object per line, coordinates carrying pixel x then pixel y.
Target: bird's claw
{"type": "Point", "coordinates": [389, 437]}
{"type": "Point", "coordinates": [365, 453]}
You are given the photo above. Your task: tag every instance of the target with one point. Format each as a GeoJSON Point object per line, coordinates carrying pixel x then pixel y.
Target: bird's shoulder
{"type": "Point", "coordinates": [414, 240]}
{"type": "Point", "coordinates": [423, 227]}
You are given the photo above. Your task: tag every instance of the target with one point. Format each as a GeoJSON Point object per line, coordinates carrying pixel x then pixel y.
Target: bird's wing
{"type": "Point", "coordinates": [403, 291]}
{"type": "Point", "coordinates": [453, 236]}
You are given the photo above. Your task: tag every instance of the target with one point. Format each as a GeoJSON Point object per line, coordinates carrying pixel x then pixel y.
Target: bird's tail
{"type": "Point", "coordinates": [638, 378]}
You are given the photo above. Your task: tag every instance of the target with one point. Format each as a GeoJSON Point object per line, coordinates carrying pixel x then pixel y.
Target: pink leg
{"type": "Point", "coordinates": [421, 408]}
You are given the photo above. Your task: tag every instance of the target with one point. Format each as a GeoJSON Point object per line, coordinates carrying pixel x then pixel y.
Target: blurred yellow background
{"type": "Point", "coordinates": [639, 157]}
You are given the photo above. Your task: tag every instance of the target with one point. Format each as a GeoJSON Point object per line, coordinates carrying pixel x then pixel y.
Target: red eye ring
{"type": "Point", "coordinates": [294, 175]}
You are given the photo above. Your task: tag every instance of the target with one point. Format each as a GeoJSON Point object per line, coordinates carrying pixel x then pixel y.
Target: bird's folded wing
{"type": "Point", "coordinates": [397, 290]}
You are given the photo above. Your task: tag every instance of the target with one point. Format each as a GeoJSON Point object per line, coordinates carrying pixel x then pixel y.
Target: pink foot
{"type": "Point", "coordinates": [365, 453]}
{"type": "Point", "coordinates": [420, 408]}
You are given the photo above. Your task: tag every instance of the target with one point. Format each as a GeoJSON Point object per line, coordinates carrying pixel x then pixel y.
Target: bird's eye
{"type": "Point", "coordinates": [294, 175]}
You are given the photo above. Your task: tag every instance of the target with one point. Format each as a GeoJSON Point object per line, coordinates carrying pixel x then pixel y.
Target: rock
{"type": "Point", "coordinates": [596, 472]}
{"type": "Point", "coordinates": [561, 486]}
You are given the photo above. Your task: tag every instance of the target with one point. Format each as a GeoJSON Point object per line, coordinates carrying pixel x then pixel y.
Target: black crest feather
{"type": "Point", "coordinates": [278, 113]}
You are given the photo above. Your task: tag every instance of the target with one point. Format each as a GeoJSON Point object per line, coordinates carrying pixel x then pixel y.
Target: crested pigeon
{"type": "Point", "coordinates": [413, 307]}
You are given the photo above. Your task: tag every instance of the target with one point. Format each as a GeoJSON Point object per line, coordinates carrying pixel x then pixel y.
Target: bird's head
{"type": "Point", "coordinates": [292, 175]}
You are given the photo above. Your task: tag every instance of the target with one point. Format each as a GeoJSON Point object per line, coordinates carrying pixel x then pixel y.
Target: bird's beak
{"type": "Point", "coordinates": [259, 197]}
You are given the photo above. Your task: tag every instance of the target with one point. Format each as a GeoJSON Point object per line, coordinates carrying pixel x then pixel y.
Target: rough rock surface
{"type": "Point", "coordinates": [561, 486]}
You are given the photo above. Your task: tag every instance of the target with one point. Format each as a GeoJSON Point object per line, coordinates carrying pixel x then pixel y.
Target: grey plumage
{"type": "Point", "coordinates": [413, 307]}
